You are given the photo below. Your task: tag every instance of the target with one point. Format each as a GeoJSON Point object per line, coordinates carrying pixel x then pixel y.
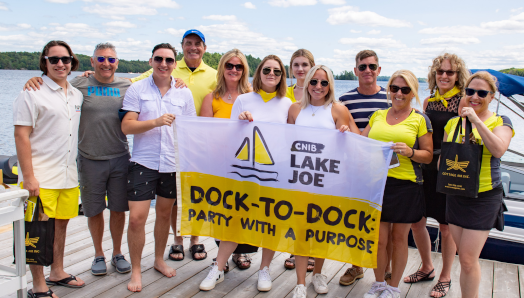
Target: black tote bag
{"type": "Point", "coordinates": [459, 167]}
{"type": "Point", "coordinates": [39, 237]}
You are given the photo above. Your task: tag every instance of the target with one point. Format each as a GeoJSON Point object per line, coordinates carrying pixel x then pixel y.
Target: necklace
{"type": "Point", "coordinates": [299, 87]}
{"type": "Point", "coordinates": [229, 97]}
{"type": "Point", "coordinates": [314, 110]}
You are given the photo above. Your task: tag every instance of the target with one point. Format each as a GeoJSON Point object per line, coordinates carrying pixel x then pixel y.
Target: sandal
{"type": "Point", "coordinates": [30, 294]}
{"type": "Point", "coordinates": [291, 260]}
{"type": "Point", "coordinates": [442, 288]}
{"type": "Point", "coordinates": [387, 277]}
{"type": "Point", "coordinates": [420, 276]}
{"type": "Point", "coordinates": [310, 262]}
{"type": "Point", "coordinates": [176, 249]}
{"type": "Point", "coordinates": [241, 259]}
{"type": "Point", "coordinates": [226, 268]}
{"type": "Point", "coordinates": [64, 282]}
{"type": "Point", "coordinates": [196, 249]}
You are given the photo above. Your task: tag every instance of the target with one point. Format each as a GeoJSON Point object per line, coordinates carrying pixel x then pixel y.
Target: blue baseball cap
{"type": "Point", "coordinates": [196, 32]}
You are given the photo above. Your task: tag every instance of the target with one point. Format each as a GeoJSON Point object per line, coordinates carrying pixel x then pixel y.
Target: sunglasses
{"type": "Point", "coordinates": [449, 73]}
{"type": "Point", "coordinates": [101, 59]}
{"type": "Point", "coordinates": [404, 90]}
{"type": "Point", "coordinates": [372, 67]}
{"type": "Point", "coordinates": [54, 60]}
{"type": "Point", "coordinates": [267, 71]}
{"type": "Point", "coordinates": [159, 59]}
{"type": "Point", "coordinates": [481, 93]}
{"type": "Point", "coordinates": [314, 82]}
{"type": "Point", "coordinates": [230, 66]}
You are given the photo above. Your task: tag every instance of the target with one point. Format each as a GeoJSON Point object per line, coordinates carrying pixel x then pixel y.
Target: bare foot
{"type": "Point", "coordinates": [135, 284]}
{"type": "Point", "coordinates": [56, 276]}
{"type": "Point", "coordinates": [163, 268]}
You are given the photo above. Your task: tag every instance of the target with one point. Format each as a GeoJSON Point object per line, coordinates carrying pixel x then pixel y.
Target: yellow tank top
{"type": "Point", "coordinates": [221, 109]}
{"type": "Point", "coordinates": [290, 94]}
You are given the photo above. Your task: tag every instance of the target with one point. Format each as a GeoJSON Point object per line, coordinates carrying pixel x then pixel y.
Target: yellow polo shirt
{"type": "Point", "coordinates": [201, 82]}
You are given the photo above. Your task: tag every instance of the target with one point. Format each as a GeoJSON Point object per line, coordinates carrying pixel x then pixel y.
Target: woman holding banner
{"type": "Point", "coordinates": [268, 103]}
{"type": "Point", "coordinates": [403, 201]}
{"type": "Point", "coordinates": [446, 79]}
{"type": "Point", "coordinates": [471, 219]}
{"type": "Point", "coordinates": [318, 108]}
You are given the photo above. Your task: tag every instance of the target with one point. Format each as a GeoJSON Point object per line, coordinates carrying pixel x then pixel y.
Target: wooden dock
{"type": "Point", "coordinates": [499, 280]}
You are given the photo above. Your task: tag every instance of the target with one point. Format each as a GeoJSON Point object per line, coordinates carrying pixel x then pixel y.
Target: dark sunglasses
{"type": "Point", "coordinates": [449, 73]}
{"type": "Point", "coordinates": [404, 90]}
{"type": "Point", "coordinates": [54, 60]}
{"type": "Point", "coordinates": [267, 71]}
{"type": "Point", "coordinates": [372, 67]}
{"type": "Point", "coordinates": [314, 82]}
{"type": "Point", "coordinates": [159, 59]}
{"type": "Point", "coordinates": [230, 66]}
{"type": "Point", "coordinates": [481, 93]}
{"type": "Point", "coordinates": [101, 59]}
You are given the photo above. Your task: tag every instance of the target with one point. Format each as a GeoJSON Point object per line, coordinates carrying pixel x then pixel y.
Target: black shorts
{"type": "Point", "coordinates": [143, 183]}
{"type": "Point", "coordinates": [403, 201]}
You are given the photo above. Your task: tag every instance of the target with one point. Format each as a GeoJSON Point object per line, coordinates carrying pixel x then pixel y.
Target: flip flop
{"type": "Point", "coordinates": [176, 249]}
{"type": "Point", "coordinates": [196, 249]}
{"type": "Point", "coordinates": [64, 282]}
{"type": "Point", "coordinates": [30, 294]}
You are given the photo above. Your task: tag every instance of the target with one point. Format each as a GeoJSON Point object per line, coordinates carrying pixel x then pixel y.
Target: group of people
{"type": "Point", "coordinates": [49, 132]}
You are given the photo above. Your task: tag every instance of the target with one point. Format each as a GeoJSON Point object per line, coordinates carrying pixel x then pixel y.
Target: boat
{"type": "Point", "coordinates": [506, 246]}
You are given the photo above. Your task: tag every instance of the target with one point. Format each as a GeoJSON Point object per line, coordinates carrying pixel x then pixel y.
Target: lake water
{"type": "Point", "coordinates": [12, 82]}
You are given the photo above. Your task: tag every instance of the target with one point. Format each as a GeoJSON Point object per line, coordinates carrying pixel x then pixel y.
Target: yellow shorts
{"type": "Point", "coordinates": [57, 203]}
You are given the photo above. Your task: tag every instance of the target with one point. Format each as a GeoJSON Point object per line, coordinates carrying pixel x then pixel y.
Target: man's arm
{"type": "Point", "coordinates": [23, 151]}
{"type": "Point", "coordinates": [142, 76]}
{"type": "Point", "coordinates": [131, 125]}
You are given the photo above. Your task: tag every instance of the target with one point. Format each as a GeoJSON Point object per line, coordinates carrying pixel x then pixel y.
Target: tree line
{"type": "Point", "coordinates": [514, 71]}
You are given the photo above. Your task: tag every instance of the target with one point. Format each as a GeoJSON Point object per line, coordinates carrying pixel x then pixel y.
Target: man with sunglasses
{"type": "Point", "coordinates": [151, 106]}
{"type": "Point", "coordinates": [103, 157]}
{"type": "Point", "coordinates": [362, 102]}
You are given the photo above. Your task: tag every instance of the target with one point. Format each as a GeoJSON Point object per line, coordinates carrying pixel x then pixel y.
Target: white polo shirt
{"type": "Point", "coordinates": [274, 110]}
{"type": "Point", "coordinates": [54, 117]}
{"type": "Point", "coordinates": [155, 148]}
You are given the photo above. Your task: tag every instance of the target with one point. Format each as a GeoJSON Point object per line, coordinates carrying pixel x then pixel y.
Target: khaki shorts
{"type": "Point", "coordinates": [57, 203]}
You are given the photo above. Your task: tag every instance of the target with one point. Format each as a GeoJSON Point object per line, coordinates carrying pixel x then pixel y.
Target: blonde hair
{"type": "Point", "coordinates": [330, 96]}
{"type": "Point", "coordinates": [487, 77]}
{"type": "Point", "coordinates": [410, 79]}
{"type": "Point", "coordinates": [301, 53]}
{"type": "Point", "coordinates": [243, 86]}
{"type": "Point", "coordinates": [257, 80]}
{"type": "Point", "coordinates": [457, 63]}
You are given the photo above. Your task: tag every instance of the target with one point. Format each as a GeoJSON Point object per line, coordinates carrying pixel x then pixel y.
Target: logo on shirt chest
{"type": "Point", "coordinates": [77, 108]}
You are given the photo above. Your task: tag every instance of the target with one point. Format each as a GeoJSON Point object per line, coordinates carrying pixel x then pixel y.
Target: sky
{"type": "Point", "coordinates": [405, 34]}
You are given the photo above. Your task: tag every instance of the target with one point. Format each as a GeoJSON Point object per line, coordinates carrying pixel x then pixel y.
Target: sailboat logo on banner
{"type": "Point", "coordinates": [257, 153]}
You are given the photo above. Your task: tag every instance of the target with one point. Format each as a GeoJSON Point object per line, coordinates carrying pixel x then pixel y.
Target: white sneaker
{"type": "Point", "coordinates": [390, 292]}
{"type": "Point", "coordinates": [376, 289]}
{"type": "Point", "coordinates": [213, 277]}
{"type": "Point", "coordinates": [320, 284]}
{"type": "Point", "coordinates": [264, 280]}
{"type": "Point", "coordinates": [299, 291]}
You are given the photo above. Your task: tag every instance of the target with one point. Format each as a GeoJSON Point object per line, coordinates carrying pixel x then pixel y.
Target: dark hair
{"type": "Point", "coordinates": [365, 54]}
{"type": "Point", "coordinates": [163, 46]}
{"type": "Point", "coordinates": [53, 43]}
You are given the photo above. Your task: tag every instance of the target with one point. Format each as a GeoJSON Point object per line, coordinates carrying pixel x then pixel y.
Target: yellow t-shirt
{"type": "Point", "coordinates": [290, 94]}
{"type": "Point", "coordinates": [221, 109]}
{"type": "Point", "coordinates": [490, 174]}
{"type": "Point", "coordinates": [201, 82]}
{"type": "Point", "coordinates": [408, 131]}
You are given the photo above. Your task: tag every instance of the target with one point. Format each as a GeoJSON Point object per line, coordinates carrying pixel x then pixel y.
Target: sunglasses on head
{"type": "Point", "coordinates": [101, 59]}
{"type": "Point", "coordinates": [481, 93]}
{"type": "Point", "coordinates": [54, 59]}
{"type": "Point", "coordinates": [372, 67]}
{"type": "Point", "coordinates": [159, 59]}
{"type": "Point", "coordinates": [404, 90]}
{"type": "Point", "coordinates": [314, 82]}
{"type": "Point", "coordinates": [267, 71]}
{"type": "Point", "coordinates": [449, 73]}
{"type": "Point", "coordinates": [230, 66]}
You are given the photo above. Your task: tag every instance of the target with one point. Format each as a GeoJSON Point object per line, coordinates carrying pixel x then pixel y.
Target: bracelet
{"type": "Point", "coordinates": [413, 154]}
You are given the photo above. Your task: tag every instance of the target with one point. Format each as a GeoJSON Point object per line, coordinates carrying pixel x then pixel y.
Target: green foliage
{"type": "Point", "coordinates": [27, 60]}
{"type": "Point", "coordinates": [514, 71]}
{"type": "Point", "coordinates": [345, 75]}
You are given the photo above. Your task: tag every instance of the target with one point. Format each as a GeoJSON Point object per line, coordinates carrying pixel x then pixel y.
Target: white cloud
{"type": "Point", "coordinates": [355, 31]}
{"type": "Point", "coordinates": [175, 32]}
{"type": "Point", "coordinates": [422, 23]}
{"type": "Point", "coordinates": [514, 10]}
{"type": "Point", "coordinates": [367, 42]}
{"type": "Point", "coordinates": [21, 26]}
{"type": "Point", "coordinates": [222, 18]}
{"type": "Point", "coordinates": [333, 2]}
{"type": "Point", "coordinates": [287, 3]}
{"type": "Point", "coordinates": [3, 6]}
{"type": "Point", "coordinates": [119, 8]}
{"type": "Point", "coordinates": [24, 26]}
{"type": "Point", "coordinates": [448, 40]}
{"type": "Point", "coordinates": [61, 1]}
{"type": "Point", "coordinates": [289, 38]}
{"type": "Point", "coordinates": [120, 24]}
{"type": "Point", "coordinates": [249, 5]}
{"type": "Point", "coordinates": [515, 24]}
{"type": "Point", "coordinates": [515, 47]}
{"type": "Point", "coordinates": [351, 14]}
{"type": "Point", "coordinates": [456, 31]}
{"type": "Point", "coordinates": [373, 32]}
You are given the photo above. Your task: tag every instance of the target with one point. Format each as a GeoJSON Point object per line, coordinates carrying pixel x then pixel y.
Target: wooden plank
{"type": "Point", "coordinates": [486, 279]}
{"type": "Point", "coordinates": [335, 289]}
{"type": "Point", "coordinates": [283, 284]}
{"type": "Point", "coordinates": [454, 291]}
{"type": "Point", "coordinates": [521, 280]}
{"type": "Point", "coordinates": [330, 269]}
{"type": "Point", "coordinates": [361, 286]}
{"type": "Point", "coordinates": [423, 289]}
{"type": "Point", "coordinates": [505, 281]}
